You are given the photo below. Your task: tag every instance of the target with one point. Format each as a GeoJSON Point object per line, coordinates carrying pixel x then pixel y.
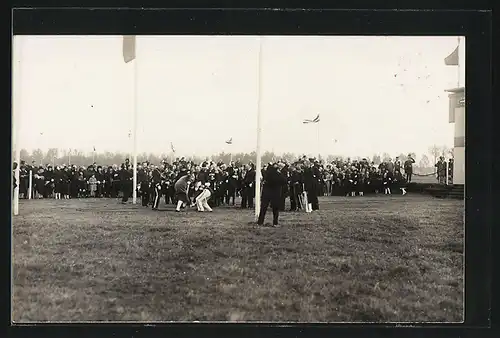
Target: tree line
{"type": "Point", "coordinates": [54, 156]}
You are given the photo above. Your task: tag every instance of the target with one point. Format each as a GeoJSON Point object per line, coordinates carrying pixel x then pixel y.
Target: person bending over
{"type": "Point", "coordinates": [202, 199]}
{"type": "Point", "coordinates": [182, 190]}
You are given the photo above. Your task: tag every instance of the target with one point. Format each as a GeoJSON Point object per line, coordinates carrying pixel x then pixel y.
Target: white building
{"type": "Point", "coordinates": [457, 116]}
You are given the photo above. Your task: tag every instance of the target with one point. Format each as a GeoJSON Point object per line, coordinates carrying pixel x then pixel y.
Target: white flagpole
{"type": "Point", "coordinates": [458, 63]}
{"type": "Point", "coordinates": [258, 172]}
{"type": "Point", "coordinates": [41, 141]}
{"type": "Point", "coordinates": [446, 165]}
{"type": "Point", "coordinates": [17, 120]}
{"type": "Point", "coordinates": [319, 150]}
{"type": "Point", "coordinates": [16, 174]}
{"type": "Point", "coordinates": [30, 188]}
{"type": "Point", "coordinates": [136, 108]}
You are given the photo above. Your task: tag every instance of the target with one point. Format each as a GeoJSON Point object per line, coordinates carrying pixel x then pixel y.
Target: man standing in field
{"type": "Point", "coordinates": [283, 168]}
{"type": "Point", "coordinates": [295, 188]}
{"type": "Point", "coordinates": [182, 190]}
{"type": "Point", "coordinates": [271, 193]}
{"type": "Point", "coordinates": [156, 185]}
{"type": "Point", "coordinates": [248, 188]}
{"type": "Point", "coordinates": [390, 166]}
{"type": "Point", "coordinates": [408, 167]}
{"type": "Point", "coordinates": [310, 186]}
{"type": "Point", "coordinates": [126, 183]}
{"type": "Point", "coordinates": [441, 170]}
{"type": "Point", "coordinates": [142, 178]}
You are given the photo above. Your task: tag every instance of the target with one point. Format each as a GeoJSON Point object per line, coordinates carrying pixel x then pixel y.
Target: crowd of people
{"type": "Point", "coordinates": [444, 170]}
{"type": "Point", "coordinates": [226, 181]}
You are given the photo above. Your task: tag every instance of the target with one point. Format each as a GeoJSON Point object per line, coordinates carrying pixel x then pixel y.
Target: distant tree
{"type": "Point", "coordinates": [107, 158]}
{"type": "Point", "coordinates": [267, 157]}
{"type": "Point", "coordinates": [386, 157]}
{"type": "Point", "coordinates": [218, 157]}
{"type": "Point", "coordinates": [435, 151]}
{"type": "Point", "coordinates": [38, 156]}
{"type": "Point", "coordinates": [290, 157]}
{"type": "Point", "coordinates": [51, 156]}
{"type": "Point", "coordinates": [334, 157]}
{"type": "Point", "coordinates": [224, 157]}
{"type": "Point", "coordinates": [64, 156]}
{"type": "Point", "coordinates": [252, 157]}
{"type": "Point", "coordinates": [143, 157]}
{"type": "Point", "coordinates": [402, 157]}
{"type": "Point", "coordinates": [25, 156]}
{"type": "Point", "coordinates": [153, 158]}
{"type": "Point", "coordinates": [80, 159]}
{"type": "Point", "coordinates": [424, 162]}
{"type": "Point", "coordinates": [118, 158]}
{"type": "Point", "coordinates": [445, 151]}
{"type": "Point", "coordinates": [200, 159]}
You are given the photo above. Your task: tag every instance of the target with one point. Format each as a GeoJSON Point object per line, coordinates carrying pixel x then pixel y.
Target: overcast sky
{"type": "Point", "coordinates": [374, 94]}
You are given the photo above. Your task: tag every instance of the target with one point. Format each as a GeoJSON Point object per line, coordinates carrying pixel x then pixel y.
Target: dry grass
{"type": "Point", "coordinates": [431, 179]}
{"type": "Point", "coordinates": [358, 259]}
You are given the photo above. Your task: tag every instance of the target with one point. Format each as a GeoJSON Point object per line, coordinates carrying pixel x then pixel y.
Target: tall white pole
{"type": "Point", "coordinates": [30, 186]}
{"type": "Point", "coordinates": [319, 150]}
{"type": "Point", "coordinates": [41, 155]}
{"type": "Point", "coordinates": [458, 63]}
{"type": "Point", "coordinates": [258, 172]}
{"type": "Point", "coordinates": [16, 175]}
{"type": "Point", "coordinates": [446, 165]}
{"type": "Point", "coordinates": [17, 113]}
{"type": "Point", "coordinates": [136, 108]}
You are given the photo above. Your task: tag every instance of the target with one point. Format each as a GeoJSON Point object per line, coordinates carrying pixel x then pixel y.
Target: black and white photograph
{"type": "Point", "coordinates": [238, 178]}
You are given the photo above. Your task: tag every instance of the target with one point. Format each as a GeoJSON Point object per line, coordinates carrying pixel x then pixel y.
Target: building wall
{"type": "Point", "coordinates": [459, 147]}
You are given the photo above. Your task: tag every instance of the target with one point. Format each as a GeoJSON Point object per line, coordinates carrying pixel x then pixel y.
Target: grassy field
{"type": "Point", "coordinates": [424, 179]}
{"type": "Point", "coordinates": [366, 258]}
